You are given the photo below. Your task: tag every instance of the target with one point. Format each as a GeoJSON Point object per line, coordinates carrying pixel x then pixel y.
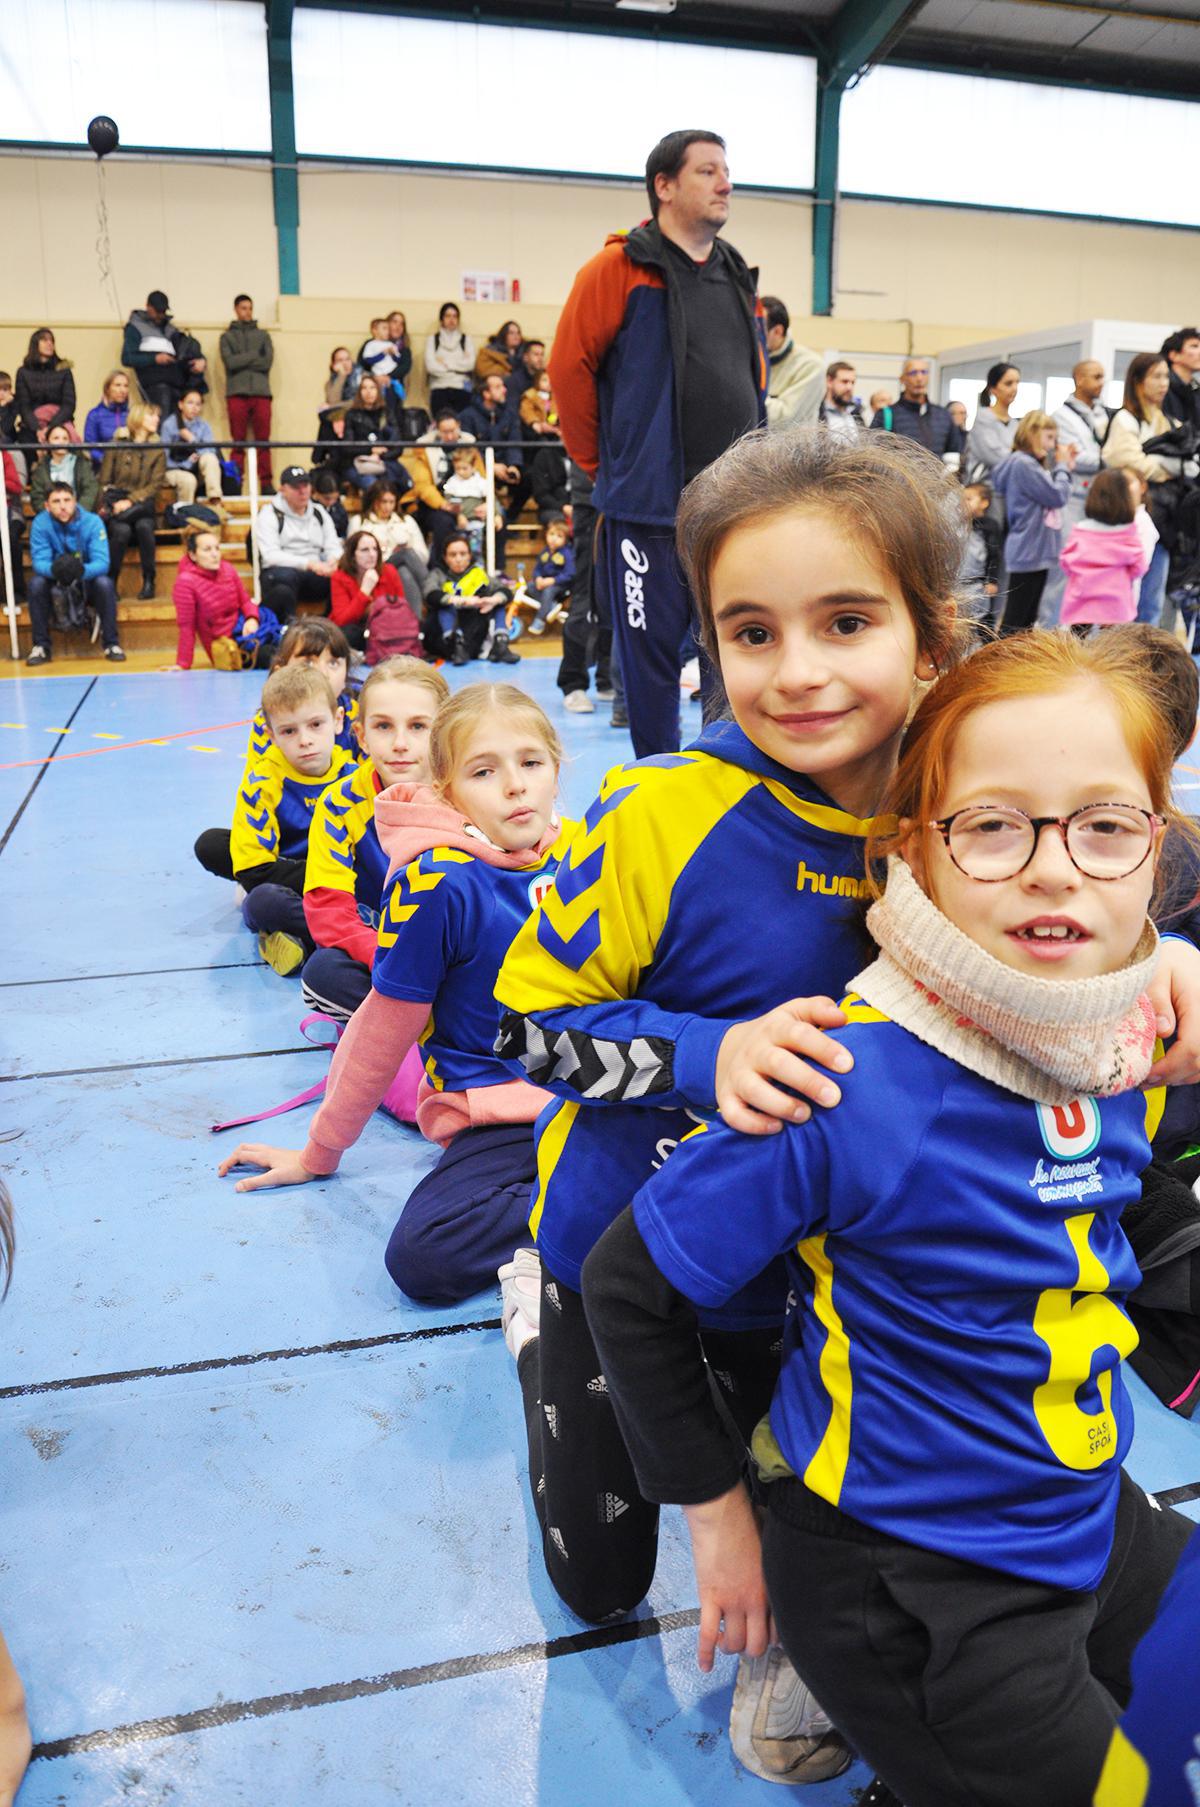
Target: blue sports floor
{"type": "Point", "coordinates": [265, 1530]}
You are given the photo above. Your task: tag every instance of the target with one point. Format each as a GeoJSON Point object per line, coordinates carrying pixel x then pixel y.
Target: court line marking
{"type": "Point", "coordinates": [45, 767]}
{"type": "Point", "coordinates": [267, 1706]}
{"type": "Point", "coordinates": [149, 972]}
{"type": "Point", "coordinates": [345, 1346]}
{"type": "Point", "coordinates": [15, 765]}
{"type": "Point", "coordinates": [141, 1066]}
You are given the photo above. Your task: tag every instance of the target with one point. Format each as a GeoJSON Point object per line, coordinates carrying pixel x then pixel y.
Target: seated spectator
{"type": "Point", "coordinates": [191, 451]}
{"type": "Point", "coordinates": [166, 360]}
{"type": "Point", "coordinates": [329, 453]}
{"type": "Point", "coordinates": [449, 363]}
{"type": "Point", "coordinates": [428, 465]}
{"type": "Point", "coordinates": [342, 380]}
{"type": "Point", "coordinates": [327, 491]}
{"type": "Point", "coordinates": [916, 417]}
{"type": "Point", "coordinates": [841, 411]}
{"type": "Point", "coordinates": [133, 472]}
{"type": "Point", "coordinates": [361, 578]}
{"type": "Point", "coordinates": [492, 420]}
{"type": "Point", "coordinates": [110, 413]}
{"type": "Point", "coordinates": [467, 485]}
{"type": "Point", "coordinates": [1139, 418]}
{"type": "Point", "coordinates": [795, 371]}
{"type": "Point", "coordinates": [248, 354]}
{"type": "Point", "coordinates": [16, 520]}
{"type": "Point", "coordinates": [367, 419]}
{"type": "Point", "coordinates": [298, 549]}
{"type": "Point", "coordinates": [499, 356]}
{"type": "Point", "coordinates": [8, 409]}
{"type": "Point", "coordinates": [539, 416]}
{"type": "Point", "coordinates": [45, 390]}
{"type": "Point", "coordinates": [382, 515]}
{"type": "Point", "coordinates": [465, 599]}
{"type": "Point", "coordinates": [553, 575]}
{"type": "Point", "coordinates": [550, 478]}
{"type": "Point", "coordinates": [61, 463]}
{"type": "Point", "coordinates": [68, 551]}
{"type": "Point", "coordinates": [212, 603]}
{"type": "Point", "coordinates": [526, 370]}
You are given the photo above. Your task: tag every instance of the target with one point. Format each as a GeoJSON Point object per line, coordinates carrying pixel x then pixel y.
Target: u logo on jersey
{"type": "Point", "coordinates": [1070, 1131]}
{"type": "Point", "coordinates": [540, 888]}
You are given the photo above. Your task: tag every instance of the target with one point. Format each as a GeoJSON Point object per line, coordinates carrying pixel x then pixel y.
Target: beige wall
{"type": "Point", "coordinates": [371, 239]}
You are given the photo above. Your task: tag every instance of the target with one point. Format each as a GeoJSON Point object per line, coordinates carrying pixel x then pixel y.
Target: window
{"type": "Point", "coordinates": [176, 74]}
{"type": "Point", "coordinates": [918, 135]}
{"type": "Point", "coordinates": [427, 90]}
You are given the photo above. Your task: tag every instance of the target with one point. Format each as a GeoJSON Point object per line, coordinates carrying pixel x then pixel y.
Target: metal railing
{"type": "Point", "coordinates": [335, 448]}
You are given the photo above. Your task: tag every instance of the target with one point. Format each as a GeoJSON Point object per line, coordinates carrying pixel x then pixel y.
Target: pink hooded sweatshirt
{"type": "Point", "coordinates": [1102, 564]}
{"type": "Point", "coordinates": [410, 820]}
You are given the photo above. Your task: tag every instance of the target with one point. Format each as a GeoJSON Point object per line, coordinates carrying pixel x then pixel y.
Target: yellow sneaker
{"type": "Point", "coordinates": [282, 953]}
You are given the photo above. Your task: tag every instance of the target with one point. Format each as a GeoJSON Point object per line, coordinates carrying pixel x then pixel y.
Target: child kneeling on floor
{"type": "Point", "coordinates": [470, 858]}
{"type": "Point", "coordinates": [347, 867]}
{"type": "Point", "coordinates": [274, 809]}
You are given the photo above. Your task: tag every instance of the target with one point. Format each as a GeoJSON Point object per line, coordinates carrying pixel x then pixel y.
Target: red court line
{"type": "Point", "coordinates": [156, 740]}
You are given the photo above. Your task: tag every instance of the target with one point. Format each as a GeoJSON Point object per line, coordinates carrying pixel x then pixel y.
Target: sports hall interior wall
{"type": "Point", "coordinates": [908, 276]}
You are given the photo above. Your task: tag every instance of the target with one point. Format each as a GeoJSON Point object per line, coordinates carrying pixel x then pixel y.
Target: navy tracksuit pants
{"type": "Point", "coordinates": [467, 1216]}
{"type": "Point", "coordinates": [652, 619]}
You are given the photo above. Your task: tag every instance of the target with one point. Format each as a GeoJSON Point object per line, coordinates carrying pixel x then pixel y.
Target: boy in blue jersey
{"type": "Point", "coordinates": [954, 1559]}
{"type": "Point", "coordinates": [274, 810]}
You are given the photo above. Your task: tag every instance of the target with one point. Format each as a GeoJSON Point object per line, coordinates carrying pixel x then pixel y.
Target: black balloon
{"type": "Point", "coordinates": [102, 135]}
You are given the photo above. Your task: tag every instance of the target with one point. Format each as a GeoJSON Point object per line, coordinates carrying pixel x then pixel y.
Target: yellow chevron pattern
{"type": "Point", "coordinates": [395, 913]}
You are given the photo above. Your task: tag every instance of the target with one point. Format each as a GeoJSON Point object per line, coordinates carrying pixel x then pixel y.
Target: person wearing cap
{"type": "Point", "coordinates": [298, 546]}
{"type": "Point", "coordinates": [165, 360]}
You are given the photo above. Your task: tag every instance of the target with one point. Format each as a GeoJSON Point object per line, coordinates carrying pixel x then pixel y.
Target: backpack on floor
{"type": "Point", "coordinates": [392, 628]}
{"type": "Point", "coordinates": [399, 1101]}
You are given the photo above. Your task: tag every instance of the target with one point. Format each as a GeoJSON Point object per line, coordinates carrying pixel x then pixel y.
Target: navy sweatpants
{"type": "Point", "coordinates": [271, 907]}
{"type": "Point", "coordinates": [652, 618]}
{"type": "Point", "coordinates": [334, 982]}
{"type": "Point", "coordinates": [467, 1216]}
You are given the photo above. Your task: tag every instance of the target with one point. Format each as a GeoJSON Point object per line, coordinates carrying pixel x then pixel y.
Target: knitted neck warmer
{"type": "Point", "coordinates": [1046, 1039]}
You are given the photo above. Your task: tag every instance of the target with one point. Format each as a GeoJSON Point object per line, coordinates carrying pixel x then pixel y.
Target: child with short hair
{"type": "Point", "coordinates": [553, 574]}
{"type": "Point", "coordinates": [346, 868]}
{"type": "Point", "coordinates": [978, 575]}
{"type": "Point", "coordinates": [469, 606]}
{"type": "Point", "coordinates": [274, 809]}
{"type": "Point", "coordinates": [470, 858]}
{"type": "Point", "coordinates": [1104, 556]}
{"type": "Point", "coordinates": [951, 1548]}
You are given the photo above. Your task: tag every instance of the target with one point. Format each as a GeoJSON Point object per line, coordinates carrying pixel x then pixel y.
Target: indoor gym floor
{"type": "Point", "coordinates": [266, 1536]}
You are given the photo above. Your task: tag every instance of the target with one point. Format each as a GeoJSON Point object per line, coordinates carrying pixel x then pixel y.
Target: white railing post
{"type": "Point", "coordinates": [252, 473]}
{"type": "Point", "coordinates": [6, 560]}
{"type": "Point", "coordinates": [489, 462]}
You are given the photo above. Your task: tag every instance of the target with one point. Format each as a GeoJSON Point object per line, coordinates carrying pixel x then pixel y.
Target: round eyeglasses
{"type": "Point", "coordinates": [1103, 840]}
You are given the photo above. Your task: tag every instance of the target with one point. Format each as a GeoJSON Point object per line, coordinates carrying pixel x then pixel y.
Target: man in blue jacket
{"type": "Point", "coordinates": [66, 544]}
{"type": "Point", "coordinates": [659, 364]}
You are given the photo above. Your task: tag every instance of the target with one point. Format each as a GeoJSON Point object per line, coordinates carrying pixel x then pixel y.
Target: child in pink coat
{"type": "Point", "coordinates": [1104, 557]}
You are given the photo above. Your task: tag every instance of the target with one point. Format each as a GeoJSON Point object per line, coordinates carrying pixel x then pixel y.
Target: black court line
{"type": "Point", "coordinates": [347, 1346]}
{"type": "Point", "coordinates": [149, 972]}
{"type": "Point", "coordinates": [27, 799]}
{"type": "Point", "coordinates": [266, 1706]}
{"type": "Point", "coordinates": [1177, 1496]}
{"type": "Point", "coordinates": [141, 1066]}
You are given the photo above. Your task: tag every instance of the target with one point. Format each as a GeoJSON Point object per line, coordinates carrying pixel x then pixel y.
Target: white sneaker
{"type": "Point", "coordinates": [520, 1299]}
{"type": "Point", "coordinates": [578, 702]}
{"type": "Point", "coordinates": [776, 1727]}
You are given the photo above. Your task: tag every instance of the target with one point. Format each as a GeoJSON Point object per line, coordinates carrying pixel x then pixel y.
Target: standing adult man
{"type": "Point", "coordinates": [916, 417]}
{"type": "Point", "coordinates": [841, 411]}
{"type": "Point", "coordinates": [247, 354]}
{"type": "Point", "coordinates": [795, 371]}
{"type": "Point", "coordinates": [1082, 421]}
{"type": "Point", "coordinates": [659, 364]}
{"type": "Point", "coordinates": [1182, 400]}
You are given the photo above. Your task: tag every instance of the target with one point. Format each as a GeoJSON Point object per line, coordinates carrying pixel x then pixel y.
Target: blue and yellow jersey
{"type": "Point", "coordinates": [1154, 1757]}
{"type": "Point", "coordinates": [347, 739]}
{"type": "Point", "coordinates": [446, 925]}
{"type": "Point", "coordinates": [343, 844]}
{"type": "Point", "coordinates": [952, 1351]}
{"type": "Point", "coordinates": [703, 889]}
{"type": "Point", "coordinates": [274, 809]}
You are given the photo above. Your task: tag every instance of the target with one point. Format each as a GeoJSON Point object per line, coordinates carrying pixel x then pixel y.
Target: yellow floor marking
{"type": "Point", "coordinates": [58, 730]}
{"type": "Point", "coordinates": [12, 724]}
{"type": "Point", "coordinates": [100, 736]}
{"type": "Point", "coordinates": [200, 749]}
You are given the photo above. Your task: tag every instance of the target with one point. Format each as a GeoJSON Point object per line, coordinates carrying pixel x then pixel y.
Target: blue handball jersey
{"type": "Point", "coordinates": [446, 925]}
{"type": "Point", "coordinates": [1154, 1758]}
{"type": "Point", "coordinates": [951, 1357]}
{"type": "Point", "coordinates": [703, 888]}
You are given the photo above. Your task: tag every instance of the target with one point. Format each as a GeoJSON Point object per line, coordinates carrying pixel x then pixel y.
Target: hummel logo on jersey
{"type": "Point", "coordinates": [541, 1486]}
{"type": "Point", "coordinates": [556, 1538]}
{"type": "Point", "coordinates": [551, 1412]}
{"type": "Point", "coordinates": [611, 1507]}
{"type": "Point", "coordinates": [599, 1385]}
{"type": "Point", "coordinates": [551, 1291]}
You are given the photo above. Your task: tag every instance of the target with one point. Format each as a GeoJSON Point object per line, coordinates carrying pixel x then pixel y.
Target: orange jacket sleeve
{"type": "Point", "coordinates": [589, 323]}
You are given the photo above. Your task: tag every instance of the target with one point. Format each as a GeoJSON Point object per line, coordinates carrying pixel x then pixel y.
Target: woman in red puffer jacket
{"type": "Point", "coordinates": [210, 598]}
